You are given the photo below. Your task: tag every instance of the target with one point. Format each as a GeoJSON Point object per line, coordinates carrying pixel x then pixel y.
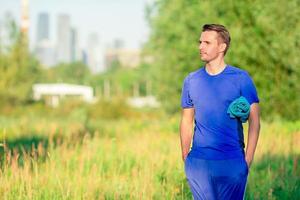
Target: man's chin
{"type": "Point", "coordinates": [203, 59]}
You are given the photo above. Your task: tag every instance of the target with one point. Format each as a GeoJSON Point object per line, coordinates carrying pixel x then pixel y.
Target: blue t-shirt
{"type": "Point", "coordinates": [216, 135]}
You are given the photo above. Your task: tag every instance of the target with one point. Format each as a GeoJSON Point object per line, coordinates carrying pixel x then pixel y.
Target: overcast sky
{"type": "Point", "coordinates": [110, 19]}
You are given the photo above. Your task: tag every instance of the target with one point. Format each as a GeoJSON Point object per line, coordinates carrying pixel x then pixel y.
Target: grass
{"type": "Point", "coordinates": [135, 158]}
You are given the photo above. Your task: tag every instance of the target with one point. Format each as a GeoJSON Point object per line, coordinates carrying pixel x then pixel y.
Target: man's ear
{"type": "Point", "coordinates": [222, 47]}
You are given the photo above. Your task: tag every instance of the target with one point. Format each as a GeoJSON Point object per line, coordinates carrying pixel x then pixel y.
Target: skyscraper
{"type": "Point", "coordinates": [63, 39]}
{"type": "Point", "coordinates": [44, 49]}
{"type": "Point", "coordinates": [95, 54]}
{"type": "Point", "coordinates": [42, 27]}
{"type": "Point", "coordinates": [45, 53]}
{"type": "Point", "coordinates": [75, 54]}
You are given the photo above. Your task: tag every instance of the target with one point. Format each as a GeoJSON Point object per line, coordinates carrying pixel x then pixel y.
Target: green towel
{"type": "Point", "coordinates": [239, 108]}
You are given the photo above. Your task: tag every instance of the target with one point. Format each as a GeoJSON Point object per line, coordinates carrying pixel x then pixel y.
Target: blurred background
{"type": "Point", "coordinates": [90, 94]}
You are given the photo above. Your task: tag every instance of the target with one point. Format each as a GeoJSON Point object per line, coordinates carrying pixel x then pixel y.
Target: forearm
{"type": "Point", "coordinates": [186, 133]}
{"type": "Point", "coordinates": [253, 135]}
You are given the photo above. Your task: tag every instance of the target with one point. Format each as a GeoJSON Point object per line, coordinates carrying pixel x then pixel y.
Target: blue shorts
{"type": "Point", "coordinates": [216, 179]}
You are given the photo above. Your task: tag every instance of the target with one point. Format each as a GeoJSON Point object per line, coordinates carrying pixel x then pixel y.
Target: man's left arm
{"type": "Point", "coordinates": [253, 132]}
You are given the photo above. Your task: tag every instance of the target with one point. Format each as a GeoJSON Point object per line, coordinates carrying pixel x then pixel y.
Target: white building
{"type": "Point", "coordinates": [57, 91]}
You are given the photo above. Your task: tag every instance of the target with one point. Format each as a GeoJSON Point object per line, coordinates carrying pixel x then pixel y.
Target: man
{"type": "Point", "coordinates": [217, 166]}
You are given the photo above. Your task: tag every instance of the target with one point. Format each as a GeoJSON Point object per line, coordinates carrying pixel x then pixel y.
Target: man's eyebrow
{"type": "Point", "coordinates": [206, 41]}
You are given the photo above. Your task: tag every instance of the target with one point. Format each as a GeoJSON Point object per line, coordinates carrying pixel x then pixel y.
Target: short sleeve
{"type": "Point", "coordinates": [248, 89]}
{"type": "Point", "coordinates": [186, 101]}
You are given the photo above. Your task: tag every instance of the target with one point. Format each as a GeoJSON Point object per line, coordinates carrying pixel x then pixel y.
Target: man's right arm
{"type": "Point", "coordinates": [186, 130]}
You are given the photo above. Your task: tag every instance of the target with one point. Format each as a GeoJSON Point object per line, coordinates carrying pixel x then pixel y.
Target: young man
{"type": "Point", "coordinates": [217, 166]}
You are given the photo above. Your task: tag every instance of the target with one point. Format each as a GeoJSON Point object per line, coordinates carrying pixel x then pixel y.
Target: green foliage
{"type": "Point", "coordinates": [76, 73]}
{"type": "Point", "coordinates": [279, 180]}
{"type": "Point", "coordinates": [111, 109]}
{"type": "Point", "coordinates": [19, 70]}
{"type": "Point", "coordinates": [265, 42]}
{"type": "Point", "coordinates": [136, 158]}
{"type": "Point", "coordinates": [122, 80]}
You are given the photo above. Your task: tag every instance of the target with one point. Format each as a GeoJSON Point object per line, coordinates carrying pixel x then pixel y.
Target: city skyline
{"type": "Point", "coordinates": [110, 20]}
{"type": "Point", "coordinates": [42, 31]}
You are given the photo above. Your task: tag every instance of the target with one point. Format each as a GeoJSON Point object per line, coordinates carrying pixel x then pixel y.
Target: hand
{"type": "Point", "coordinates": [248, 161]}
{"type": "Point", "coordinates": [184, 157]}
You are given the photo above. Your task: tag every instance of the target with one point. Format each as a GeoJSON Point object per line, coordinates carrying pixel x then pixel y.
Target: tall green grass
{"type": "Point", "coordinates": [133, 158]}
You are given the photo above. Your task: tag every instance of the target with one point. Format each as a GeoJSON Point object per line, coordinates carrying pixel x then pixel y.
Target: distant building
{"type": "Point", "coordinates": [118, 44]}
{"type": "Point", "coordinates": [128, 58]}
{"type": "Point", "coordinates": [84, 57]}
{"type": "Point", "coordinates": [75, 52]}
{"type": "Point", "coordinates": [53, 93]}
{"type": "Point", "coordinates": [63, 42]}
{"type": "Point", "coordinates": [45, 53]}
{"type": "Point", "coordinates": [45, 49]}
{"type": "Point", "coordinates": [42, 27]}
{"type": "Point", "coordinates": [95, 54]}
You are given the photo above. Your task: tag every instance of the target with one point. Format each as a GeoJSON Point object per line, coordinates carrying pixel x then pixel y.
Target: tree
{"type": "Point", "coordinates": [265, 42]}
{"type": "Point", "coordinates": [18, 68]}
{"type": "Point", "coordinates": [75, 73]}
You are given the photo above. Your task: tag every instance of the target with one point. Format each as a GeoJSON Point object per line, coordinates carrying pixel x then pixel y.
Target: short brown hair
{"type": "Point", "coordinates": [222, 32]}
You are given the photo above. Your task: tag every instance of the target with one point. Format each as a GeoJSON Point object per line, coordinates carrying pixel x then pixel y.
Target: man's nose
{"type": "Point", "coordinates": [200, 46]}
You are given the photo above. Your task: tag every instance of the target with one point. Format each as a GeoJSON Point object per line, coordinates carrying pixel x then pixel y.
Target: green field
{"type": "Point", "coordinates": [75, 157]}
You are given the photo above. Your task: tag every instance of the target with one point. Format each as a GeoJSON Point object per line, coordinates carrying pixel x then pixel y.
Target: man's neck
{"type": "Point", "coordinates": [215, 67]}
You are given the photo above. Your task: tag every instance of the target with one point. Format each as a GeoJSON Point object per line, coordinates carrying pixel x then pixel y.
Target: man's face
{"type": "Point", "coordinates": [210, 46]}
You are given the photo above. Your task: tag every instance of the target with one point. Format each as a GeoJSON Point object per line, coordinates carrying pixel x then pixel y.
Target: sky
{"type": "Point", "coordinates": [109, 19]}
